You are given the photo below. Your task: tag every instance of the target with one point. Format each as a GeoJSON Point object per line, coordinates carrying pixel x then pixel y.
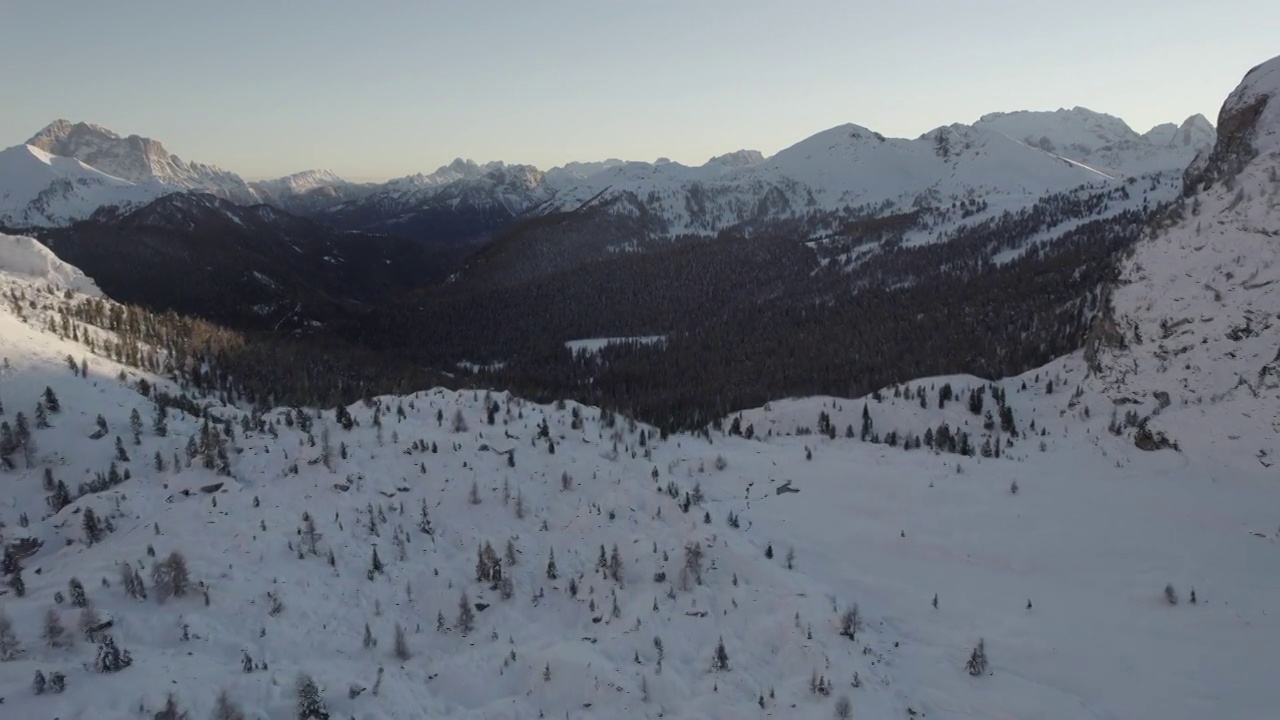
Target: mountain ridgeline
{"type": "Point", "coordinates": [841, 264]}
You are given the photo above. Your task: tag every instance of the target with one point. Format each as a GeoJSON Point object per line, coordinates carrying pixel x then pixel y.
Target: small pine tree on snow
{"type": "Point", "coordinates": [51, 400]}
{"type": "Point", "coordinates": [466, 616]}
{"type": "Point", "coordinates": [310, 705]}
{"type": "Point", "coordinates": [110, 657]}
{"type": "Point", "coordinates": [59, 497]}
{"type": "Point", "coordinates": [402, 652]}
{"type": "Point", "coordinates": [54, 634]}
{"type": "Point", "coordinates": [546, 673]}
{"type": "Point", "coordinates": [38, 684]}
{"type": "Point", "coordinates": [459, 422]}
{"type": "Point", "coordinates": [225, 709]}
{"type": "Point", "coordinates": [10, 647]}
{"type": "Point", "coordinates": [170, 578]}
{"type": "Point", "coordinates": [135, 426]}
{"type": "Point", "coordinates": [75, 589]}
{"type": "Point", "coordinates": [615, 565]}
{"type": "Point", "coordinates": [121, 455]}
{"type": "Point", "coordinates": [844, 709]}
{"type": "Point", "coordinates": [375, 566]}
{"type": "Point", "coordinates": [1170, 595]}
{"type": "Point", "coordinates": [551, 566]}
{"type": "Point", "coordinates": [42, 417]}
{"type": "Point", "coordinates": [977, 663]}
{"type": "Point", "coordinates": [160, 425]}
{"type": "Point", "coordinates": [1192, 599]}
{"type": "Point", "coordinates": [935, 601]}
{"type": "Point", "coordinates": [369, 640]}
{"type": "Point", "coordinates": [473, 496]}
{"type": "Point", "coordinates": [851, 623]}
{"type": "Point", "coordinates": [768, 551]}
{"type": "Point", "coordinates": [92, 529]}
{"type": "Point", "coordinates": [791, 558]}
{"type": "Point", "coordinates": [720, 659]}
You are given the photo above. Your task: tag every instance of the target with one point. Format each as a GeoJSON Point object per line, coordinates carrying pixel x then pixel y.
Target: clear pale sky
{"type": "Point", "coordinates": [375, 88]}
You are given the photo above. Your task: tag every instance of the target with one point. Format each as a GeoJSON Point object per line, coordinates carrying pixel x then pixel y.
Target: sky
{"type": "Point", "coordinates": [373, 89]}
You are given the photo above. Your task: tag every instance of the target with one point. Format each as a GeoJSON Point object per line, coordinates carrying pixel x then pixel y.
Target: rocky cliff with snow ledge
{"type": "Point", "coordinates": [1191, 338]}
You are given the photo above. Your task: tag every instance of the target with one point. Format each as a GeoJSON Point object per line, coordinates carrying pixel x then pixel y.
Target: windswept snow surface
{"type": "Point", "coordinates": [1095, 532]}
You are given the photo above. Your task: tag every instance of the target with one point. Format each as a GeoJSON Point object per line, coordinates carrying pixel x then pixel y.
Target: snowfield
{"type": "Point", "coordinates": [1063, 579]}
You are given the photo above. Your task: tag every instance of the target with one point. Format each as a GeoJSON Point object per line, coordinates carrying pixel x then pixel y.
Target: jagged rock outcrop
{"type": "Point", "coordinates": [1249, 112]}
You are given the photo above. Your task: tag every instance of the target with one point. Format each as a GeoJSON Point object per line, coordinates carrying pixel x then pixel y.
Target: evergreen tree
{"type": "Point", "coordinates": [225, 709]}
{"type": "Point", "coordinates": [977, 663]}
{"type": "Point", "coordinates": [466, 616]}
{"type": "Point", "coordinates": [720, 659]}
{"type": "Point", "coordinates": [402, 651]}
{"type": "Point", "coordinates": [135, 426]}
{"type": "Point", "coordinates": [310, 704]}
{"type": "Point", "coordinates": [10, 647]}
{"type": "Point", "coordinates": [76, 591]}
{"type": "Point", "coordinates": [169, 578]}
{"type": "Point", "coordinates": [551, 566]}
{"type": "Point", "coordinates": [54, 634]}
{"type": "Point", "coordinates": [51, 402]}
{"type": "Point", "coordinates": [92, 529]}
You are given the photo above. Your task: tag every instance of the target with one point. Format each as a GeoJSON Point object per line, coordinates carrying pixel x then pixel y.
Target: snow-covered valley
{"type": "Point", "coordinates": [1055, 554]}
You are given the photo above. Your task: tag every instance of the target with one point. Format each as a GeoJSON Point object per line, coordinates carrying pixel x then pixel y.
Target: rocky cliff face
{"type": "Point", "coordinates": [139, 160]}
{"type": "Point", "coordinates": [1248, 125]}
{"type": "Point", "coordinates": [1191, 337]}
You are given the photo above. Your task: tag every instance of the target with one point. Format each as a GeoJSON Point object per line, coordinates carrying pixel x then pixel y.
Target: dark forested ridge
{"type": "Point", "coordinates": [748, 319]}
{"type": "Point", "coordinates": [248, 267]}
{"type": "Point", "coordinates": [759, 311]}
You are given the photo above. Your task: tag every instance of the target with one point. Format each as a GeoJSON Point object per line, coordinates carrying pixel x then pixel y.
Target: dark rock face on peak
{"type": "Point", "coordinates": [1248, 125]}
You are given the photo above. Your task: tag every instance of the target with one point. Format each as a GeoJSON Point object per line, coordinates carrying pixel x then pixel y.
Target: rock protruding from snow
{"type": "Point", "coordinates": [24, 257]}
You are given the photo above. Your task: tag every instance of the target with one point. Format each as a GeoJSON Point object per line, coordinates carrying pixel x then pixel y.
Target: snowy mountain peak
{"type": "Point", "coordinates": [740, 158]}
{"type": "Point", "coordinates": [1248, 126]}
{"type": "Point", "coordinates": [1104, 142]}
{"type": "Point", "coordinates": [38, 188]}
{"type": "Point", "coordinates": [139, 160]}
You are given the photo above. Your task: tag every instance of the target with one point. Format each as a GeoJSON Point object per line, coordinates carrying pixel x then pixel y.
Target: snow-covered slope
{"type": "Point", "coordinates": [37, 188]}
{"type": "Point", "coordinates": [1193, 330]}
{"type": "Point", "coordinates": [1074, 561]}
{"type": "Point", "coordinates": [26, 259]}
{"type": "Point", "coordinates": [1105, 142]}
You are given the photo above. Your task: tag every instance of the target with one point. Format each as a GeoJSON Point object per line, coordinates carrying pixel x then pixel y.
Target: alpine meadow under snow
{"type": "Point", "coordinates": [1094, 538]}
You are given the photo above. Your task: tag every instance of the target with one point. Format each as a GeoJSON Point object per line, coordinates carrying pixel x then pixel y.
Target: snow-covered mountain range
{"type": "Point", "coordinates": [1008, 160]}
{"type": "Point", "coordinates": [1105, 142]}
{"type": "Point", "coordinates": [471, 554]}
